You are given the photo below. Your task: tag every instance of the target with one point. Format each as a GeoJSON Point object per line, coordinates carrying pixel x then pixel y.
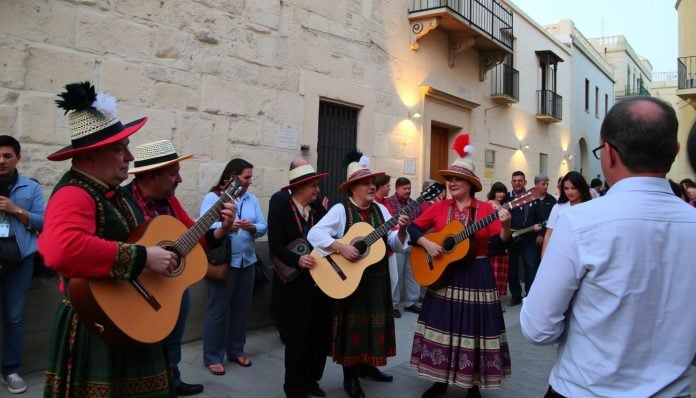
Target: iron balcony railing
{"type": "Point", "coordinates": [549, 104]}
{"type": "Point", "coordinates": [635, 89]}
{"type": "Point", "coordinates": [686, 70]}
{"type": "Point", "coordinates": [505, 80]}
{"type": "Point", "coordinates": [487, 15]}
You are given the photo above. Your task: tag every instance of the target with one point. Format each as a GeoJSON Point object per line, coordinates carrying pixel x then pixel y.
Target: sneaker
{"type": "Point", "coordinates": [15, 384]}
{"type": "Point", "coordinates": [397, 313]}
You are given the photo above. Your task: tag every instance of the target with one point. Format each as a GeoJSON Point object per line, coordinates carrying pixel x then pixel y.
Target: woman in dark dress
{"type": "Point", "coordinates": [305, 311]}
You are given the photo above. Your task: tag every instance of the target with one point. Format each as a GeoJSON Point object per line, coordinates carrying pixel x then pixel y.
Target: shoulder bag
{"type": "Point", "coordinates": [10, 255]}
{"type": "Point", "coordinates": [219, 261]}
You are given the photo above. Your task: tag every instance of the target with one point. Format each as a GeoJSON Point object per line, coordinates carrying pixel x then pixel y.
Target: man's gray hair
{"type": "Point", "coordinates": [540, 177]}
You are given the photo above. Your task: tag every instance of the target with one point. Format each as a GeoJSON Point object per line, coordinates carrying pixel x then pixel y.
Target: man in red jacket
{"type": "Point", "coordinates": [156, 170]}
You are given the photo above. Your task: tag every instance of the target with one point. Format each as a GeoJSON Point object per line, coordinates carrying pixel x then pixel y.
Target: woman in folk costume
{"type": "Point", "coordinates": [363, 323]}
{"type": "Point", "coordinates": [88, 221]}
{"type": "Point", "coordinates": [460, 335]}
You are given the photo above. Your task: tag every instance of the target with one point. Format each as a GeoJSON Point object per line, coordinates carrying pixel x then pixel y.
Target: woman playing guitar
{"type": "Point", "coordinates": [463, 319]}
{"type": "Point", "coordinates": [363, 323]}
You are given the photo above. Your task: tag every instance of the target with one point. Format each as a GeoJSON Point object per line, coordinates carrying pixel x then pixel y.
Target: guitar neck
{"type": "Point", "coordinates": [475, 227]}
{"type": "Point", "coordinates": [190, 238]}
{"type": "Point", "coordinates": [384, 229]}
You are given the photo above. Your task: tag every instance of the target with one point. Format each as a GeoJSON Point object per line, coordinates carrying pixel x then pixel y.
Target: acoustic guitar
{"type": "Point", "coordinates": [455, 240]}
{"type": "Point", "coordinates": [146, 309]}
{"type": "Point", "coordinates": [337, 276]}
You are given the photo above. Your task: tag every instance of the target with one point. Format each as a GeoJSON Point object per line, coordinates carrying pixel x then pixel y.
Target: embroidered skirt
{"type": "Point", "coordinates": [500, 265]}
{"type": "Point", "coordinates": [363, 323]}
{"type": "Point", "coordinates": [460, 335]}
{"type": "Point", "coordinates": [82, 365]}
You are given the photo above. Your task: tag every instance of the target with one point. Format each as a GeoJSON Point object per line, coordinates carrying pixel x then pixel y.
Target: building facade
{"type": "Point", "coordinates": [592, 95]}
{"type": "Point", "coordinates": [632, 72]}
{"type": "Point", "coordinates": [268, 81]}
{"type": "Point", "coordinates": [686, 84]}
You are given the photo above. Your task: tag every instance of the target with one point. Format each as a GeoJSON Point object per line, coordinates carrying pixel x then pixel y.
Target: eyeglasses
{"type": "Point", "coordinates": [596, 155]}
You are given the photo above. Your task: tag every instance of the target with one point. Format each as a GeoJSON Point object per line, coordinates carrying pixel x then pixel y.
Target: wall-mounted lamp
{"type": "Point", "coordinates": [524, 146]}
{"type": "Point", "coordinates": [304, 148]}
{"type": "Point", "coordinates": [414, 114]}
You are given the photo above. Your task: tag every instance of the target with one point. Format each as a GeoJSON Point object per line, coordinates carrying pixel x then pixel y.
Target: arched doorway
{"type": "Point", "coordinates": [584, 159]}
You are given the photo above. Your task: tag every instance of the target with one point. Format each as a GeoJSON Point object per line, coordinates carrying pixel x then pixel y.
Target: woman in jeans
{"type": "Point", "coordinates": [229, 301]}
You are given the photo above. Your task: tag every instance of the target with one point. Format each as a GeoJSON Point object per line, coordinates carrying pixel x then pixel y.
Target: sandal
{"type": "Point", "coordinates": [243, 361]}
{"type": "Point", "coordinates": [216, 369]}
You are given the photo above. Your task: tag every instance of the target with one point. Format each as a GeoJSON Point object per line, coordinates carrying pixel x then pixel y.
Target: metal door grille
{"type": "Point", "coordinates": [338, 130]}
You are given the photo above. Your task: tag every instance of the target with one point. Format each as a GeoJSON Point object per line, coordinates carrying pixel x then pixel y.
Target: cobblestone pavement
{"type": "Point", "coordinates": [530, 368]}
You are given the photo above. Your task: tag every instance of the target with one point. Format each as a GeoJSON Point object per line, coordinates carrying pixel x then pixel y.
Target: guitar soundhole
{"type": "Point", "coordinates": [448, 244]}
{"type": "Point", "coordinates": [361, 246]}
{"type": "Point", "coordinates": [180, 262]}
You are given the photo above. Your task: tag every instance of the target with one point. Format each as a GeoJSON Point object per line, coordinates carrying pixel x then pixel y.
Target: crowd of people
{"type": "Point", "coordinates": [614, 299]}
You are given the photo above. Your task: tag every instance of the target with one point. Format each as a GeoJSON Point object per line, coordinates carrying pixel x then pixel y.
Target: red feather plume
{"type": "Point", "coordinates": [460, 144]}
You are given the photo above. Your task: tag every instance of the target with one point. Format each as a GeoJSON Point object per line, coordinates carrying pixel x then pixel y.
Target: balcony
{"type": "Point", "coordinates": [686, 79]}
{"type": "Point", "coordinates": [549, 106]}
{"type": "Point", "coordinates": [481, 24]}
{"type": "Point", "coordinates": [633, 90]}
{"type": "Point", "coordinates": [505, 83]}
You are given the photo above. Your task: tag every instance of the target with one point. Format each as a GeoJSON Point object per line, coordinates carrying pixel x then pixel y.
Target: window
{"type": "Point", "coordinates": [606, 104]}
{"type": "Point", "coordinates": [587, 95]}
{"type": "Point", "coordinates": [596, 101]}
{"type": "Point", "coordinates": [338, 131]}
{"type": "Point", "coordinates": [544, 163]}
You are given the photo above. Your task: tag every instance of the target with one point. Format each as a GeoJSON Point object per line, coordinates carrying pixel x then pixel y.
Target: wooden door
{"type": "Point", "coordinates": [439, 149]}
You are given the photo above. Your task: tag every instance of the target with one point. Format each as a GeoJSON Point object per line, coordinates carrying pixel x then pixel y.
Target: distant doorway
{"type": "Point", "coordinates": [439, 149]}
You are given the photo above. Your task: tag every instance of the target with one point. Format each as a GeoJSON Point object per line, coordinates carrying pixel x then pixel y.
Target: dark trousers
{"type": "Point", "coordinates": [550, 393]}
{"type": "Point", "coordinates": [308, 338]}
{"type": "Point", "coordinates": [528, 251]}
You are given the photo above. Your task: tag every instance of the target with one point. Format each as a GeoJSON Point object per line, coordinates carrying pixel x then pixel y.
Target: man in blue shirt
{"type": "Point", "coordinates": [22, 208]}
{"type": "Point", "coordinates": [615, 287]}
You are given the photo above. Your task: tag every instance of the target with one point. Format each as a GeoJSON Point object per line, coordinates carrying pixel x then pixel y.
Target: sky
{"type": "Point", "coordinates": [650, 26]}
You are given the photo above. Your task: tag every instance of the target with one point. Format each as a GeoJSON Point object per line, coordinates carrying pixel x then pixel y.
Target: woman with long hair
{"type": "Point", "coordinates": [499, 262]}
{"type": "Point", "coordinates": [574, 190]}
{"type": "Point", "coordinates": [229, 301]}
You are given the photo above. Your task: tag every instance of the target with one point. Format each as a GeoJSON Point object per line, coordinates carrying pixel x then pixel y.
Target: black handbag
{"type": "Point", "coordinates": [10, 255]}
{"type": "Point", "coordinates": [219, 261]}
{"type": "Point", "coordinates": [262, 274]}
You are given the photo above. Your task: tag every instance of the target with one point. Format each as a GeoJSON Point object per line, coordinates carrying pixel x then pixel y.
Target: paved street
{"type": "Point", "coordinates": [530, 368]}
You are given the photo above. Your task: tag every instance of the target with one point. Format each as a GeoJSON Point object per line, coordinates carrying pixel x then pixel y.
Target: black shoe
{"type": "Point", "coordinates": [316, 391]}
{"type": "Point", "coordinates": [352, 387]}
{"type": "Point", "coordinates": [515, 301]}
{"type": "Point", "coordinates": [473, 392]}
{"type": "Point", "coordinates": [436, 390]}
{"type": "Point", "coordinates": [397, 313]}
{"type": "Point", "coordinates": [374, 373]}
{"type": "Point", "coordinates": [414, 308]}
{"type": "Point", "coordinates": [185, 389]}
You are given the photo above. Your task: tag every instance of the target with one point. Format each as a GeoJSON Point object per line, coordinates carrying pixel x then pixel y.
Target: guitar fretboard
{"type": "Point", "coordinates": [473, 228]}
{"type": "Point", "coordinates": [383, 229]}
{"type": "Point", "coordinates": [190, 238]}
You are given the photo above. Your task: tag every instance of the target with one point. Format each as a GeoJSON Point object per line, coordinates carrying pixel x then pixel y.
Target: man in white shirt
{"type": "Point", "coordinates": [615, 287]}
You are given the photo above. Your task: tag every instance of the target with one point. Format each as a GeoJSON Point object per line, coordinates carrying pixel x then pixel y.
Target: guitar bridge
{"type": "Point", "coordinates": [336, 268]}
{"type": "Point", "coordinates": [146, 295]}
